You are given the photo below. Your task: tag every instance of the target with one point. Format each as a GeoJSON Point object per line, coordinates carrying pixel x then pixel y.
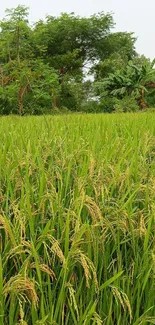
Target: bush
{"type": "Point", "coordinates": [126, 104]}
{"type": "Point", "coordinates": [91, 106]}
{"type": "Point", "coordinates": [107, 104]}
{"type": "Point", "coordinates": [150, 98]}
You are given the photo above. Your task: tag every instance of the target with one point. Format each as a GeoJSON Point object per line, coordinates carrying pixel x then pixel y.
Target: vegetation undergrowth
{"type": "Point", "coordinates": [77, 219]}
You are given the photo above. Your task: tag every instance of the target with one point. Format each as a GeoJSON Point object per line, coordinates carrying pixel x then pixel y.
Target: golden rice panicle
{"type": "Point", "coordinates": [23, 286]}
{"type": "Point", "coordinates": [86, 269]}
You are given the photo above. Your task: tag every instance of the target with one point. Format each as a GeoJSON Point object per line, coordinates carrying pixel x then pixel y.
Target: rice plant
{"type": "Point", "coordinates": [77, 220]}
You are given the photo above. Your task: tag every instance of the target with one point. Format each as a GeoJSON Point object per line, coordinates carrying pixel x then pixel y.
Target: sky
{"type": "Point", "coordinates": [129, 15]}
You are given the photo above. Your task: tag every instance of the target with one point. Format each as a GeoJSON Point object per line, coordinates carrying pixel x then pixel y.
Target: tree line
{"type": "Point", "coordinates": [71, 63]}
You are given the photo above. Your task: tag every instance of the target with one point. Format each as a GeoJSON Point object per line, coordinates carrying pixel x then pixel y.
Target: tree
{"type": "Point", "coordinates": [23, 77]}
{"type": "Point", "coordinates": [30, 86]}
{"type": "Point", "coordinates": [113, 53]}
{"type": "Point", "coordinates": [69, 41]}
{"type": "Point", "coordinates": [15, 35]}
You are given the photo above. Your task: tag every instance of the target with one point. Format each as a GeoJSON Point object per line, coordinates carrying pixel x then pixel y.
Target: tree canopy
{"type": "Point", "coordinates": [44, 65]}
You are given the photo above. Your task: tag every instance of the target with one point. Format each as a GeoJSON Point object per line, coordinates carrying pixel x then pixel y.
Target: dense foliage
{"type": "Point", "coordinates": [45, 66]}
{"type": "Point", "coordinates": [70, 61]}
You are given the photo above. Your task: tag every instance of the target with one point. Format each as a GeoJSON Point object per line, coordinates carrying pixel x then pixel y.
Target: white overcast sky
{"type": "Point", "coordinates": [130, 15]}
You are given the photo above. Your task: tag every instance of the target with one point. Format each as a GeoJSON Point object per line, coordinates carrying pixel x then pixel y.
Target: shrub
{"type": "Point", "coordinates": [126, 104]}
{"type": "Point", "coordinates": [107, 104]}
{"type": "Point", "coordinates": [91, 106]}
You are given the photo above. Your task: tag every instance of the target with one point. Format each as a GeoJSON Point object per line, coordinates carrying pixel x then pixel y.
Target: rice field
{"type": "Point", "coordinates": [77, 220]}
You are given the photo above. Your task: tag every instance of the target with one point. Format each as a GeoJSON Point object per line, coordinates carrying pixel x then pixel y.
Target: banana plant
{"type": "Point", "coordinates": [134, 81]}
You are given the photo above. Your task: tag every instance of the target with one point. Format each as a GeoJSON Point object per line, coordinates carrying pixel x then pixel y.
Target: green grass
{"type": "Point", "coordinates": [77, 220]}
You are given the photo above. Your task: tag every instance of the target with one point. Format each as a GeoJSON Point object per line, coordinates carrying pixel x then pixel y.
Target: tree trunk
{"type": "Point", "coordinates": [18, 43]}
{"type": "Point", "coordinates": [54, 97]}
{"type": "Point", "coordinates": [61, 75]}
{"type": "Point", "coordinates": [2, 76]}
{"type": "Point", "coordinates": [20, 101]}
{"type": "Point", "coordinates": [141, 101]}
{"type": "Point", "coordinates": [21, 94]}
{"type": "Point", "coordinates": [55, 101]}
